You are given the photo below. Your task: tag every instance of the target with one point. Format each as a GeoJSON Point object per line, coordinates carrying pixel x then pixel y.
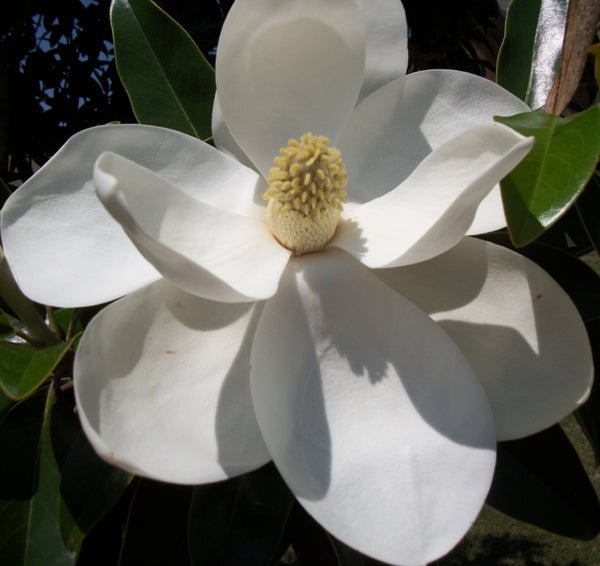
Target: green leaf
{"type": "Point", "coordinates": [588, 207]}
{"type": "Point", "coordinates": [529, 57]}
{"type": "Point", "coordinates": [588, 415]}
{"type": "Point", "coordinates": [23, 368]}
{"type": "Point", "coordinates": [29, 480]}
{"type": "Point", "coordinates": [168, 80]}
{"type": "Point", "coordinates": [549, 179]}
{"type": "Point", "coordinates": [568, 234]}
{"type": "Point", "coordinates": [540, 480]}
{"type": "Point", "coordinates": [65, 318]}
{"type": "Point", "coordinates": [240, 521]}
{"type": "Point", "coordinates": [89, 487]}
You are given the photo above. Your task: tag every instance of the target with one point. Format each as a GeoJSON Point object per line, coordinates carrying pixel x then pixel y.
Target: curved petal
{"type": "Point", "coordinates": [162, 386]}
{"type": "Point", "coordinates": [286, 68]}
{"type": "Point", "coordinates": [203, 249]}
{"type": "Point", "coordinates": [396, 127]}
{"type": "Point", "coordinates": [371, 413]}
{"type": "Point", "coordinates": [223, 138]}
{"type": "Point", "coordinates": [386, 55]}
{"type": "Point", "coordinates": [64, 248]}
{"type": "Point", "coordinates": [518, 328]}
{"type": "Point", "coordinates": [431, 211]}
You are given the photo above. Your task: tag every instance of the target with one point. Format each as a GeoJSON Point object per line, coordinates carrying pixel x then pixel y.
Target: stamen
{"type": "Point", "coordinates": [306, 189]}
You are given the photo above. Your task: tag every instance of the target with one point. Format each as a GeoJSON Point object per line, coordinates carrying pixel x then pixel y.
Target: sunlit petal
{"type": "Point", "coordinates": [396, 127]}
{"type": "Point", "coordinates": [518, 328]}
{"type": "Point", "coordinates": [223, 138]}
{"type": "Point", "coordinates": [286, 68]}
{"type": "Point", "coordinates": [162, 386]}
{"type": "Point", "coordinates": [205, 250]}
{"type": "Point", "coordinates": [432, 209]}
{"type": "Point", "coordinates": [386, 43]}
{"type": "Point", "coordinates": [371, 413]}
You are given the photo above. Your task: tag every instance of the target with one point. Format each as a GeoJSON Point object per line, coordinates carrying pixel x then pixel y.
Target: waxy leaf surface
{"type": "Point", "coordinates": [23, 368]}
{"type": "Point", "coordinates": [30, 478]}
{"type": "Point", "coordinates": [556, 170]}
{"type": "Point", "coordinates": [529, 58]}
{"type": "Point", "coordinates": [168, 80]}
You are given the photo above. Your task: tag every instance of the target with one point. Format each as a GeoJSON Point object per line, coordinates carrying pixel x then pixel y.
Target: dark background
{"type": "Point", "coordinates": [57, 72]}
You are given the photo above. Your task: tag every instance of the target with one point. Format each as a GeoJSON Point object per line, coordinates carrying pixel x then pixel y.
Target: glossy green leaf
{"type": "Point", "coordinates": [168, 80]}
{"type": "Point", "coordinates": [568, 234]}
{"type": "Point", "coordinates": [588, 415]}
{"type": "Point", "coordinates": [23, 368]}
{"type": "Point", "coordinates": [549, 179]}
{"type": "Point", "coordinates": [529, 57]}
{"type": "Point", "coordinates": [156, 527]}
{"type": "Point", "coordinates": [582, 22]}
{"type": "Point", "coordinates": [579, 281]}
{"type": "Point", "coordinates": [588, 207]}
{"type": "Point", "coordinates": [15, 324]}
{"type": "Point", "coordinates": [89, 488]}
{"type": "Point", "coordinates": [68, 321]}
{"type": "Point", "coordinates": [239, 521]}
{"type": "Point", "coordinates": [29, 480]}
{"type": "Point", "coordinates": [540, 480]}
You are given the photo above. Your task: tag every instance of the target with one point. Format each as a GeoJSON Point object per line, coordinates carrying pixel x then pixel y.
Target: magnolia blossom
{"type": "Point", "coordinates": [377, 371]}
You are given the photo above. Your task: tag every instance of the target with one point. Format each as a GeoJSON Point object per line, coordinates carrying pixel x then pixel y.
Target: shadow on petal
{"type": "Point", "coordinates": [383, 336]}
{"type": "Point", "coordinates": [378, 149]}
{"type": "Point", "coordinates": [531, 385]}
{"type": "Point", "coordinates": [239, 440]}
{"type": "Point", "coordinates": [287, 393]}
{"type": "Point", "coordinates": [505, 312]}
{"type": "Point", "coordinates": [421, 282]}
{"type": "Point", "coordinates": [149, 377]}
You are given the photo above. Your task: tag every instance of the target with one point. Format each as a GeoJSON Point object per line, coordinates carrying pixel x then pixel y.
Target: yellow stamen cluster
{"type": "Point", "coordinates": [306, 189]}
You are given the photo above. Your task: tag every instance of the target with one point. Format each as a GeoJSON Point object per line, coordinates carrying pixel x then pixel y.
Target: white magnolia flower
{"type": "Point", "coordinates": [377, 373]}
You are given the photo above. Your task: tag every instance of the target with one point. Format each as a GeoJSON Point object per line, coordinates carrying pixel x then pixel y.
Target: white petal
{"type": "Point", "coordinates": [223, 138]}
{"type": "Point", "coordinates": [162, 386]}
{"type": "Point", "coordinates": [371, 413]}
{"type": "Point", "coordinates": [386, 43]}
{"type": "Point", "coordinates": [66, 250]}
{"type": "Point", "coordinates": [432, 209]}
{"type": "Point", "coordinates": [286, 68]}
{"type": "Point", "coordinates": [205, 250]}
{"type": "Point", "coordinates": [519, 329]}
{"type": "Point", "coordinates": [63, 248]}
{"type": "Point", "coordinates": [490, 214]}
{"type": "Point", "coordinates": [395, 128]}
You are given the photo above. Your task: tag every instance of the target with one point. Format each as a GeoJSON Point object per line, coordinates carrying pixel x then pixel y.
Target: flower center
{"type": "Point", "coordinates": [306, 189]}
